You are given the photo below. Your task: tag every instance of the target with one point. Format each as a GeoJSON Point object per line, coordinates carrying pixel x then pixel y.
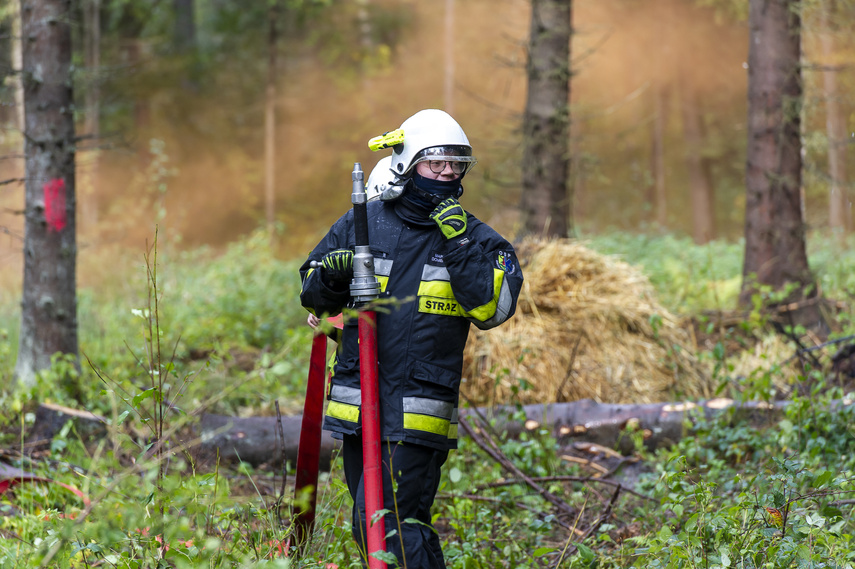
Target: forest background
{"type": "Point", "coordinates": [180, 111]}
{"type": "Point", "coordinates": [345, 72]}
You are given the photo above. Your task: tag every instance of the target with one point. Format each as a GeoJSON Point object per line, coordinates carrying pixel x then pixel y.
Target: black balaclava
{"type": "Point", "coordinates": [415, 208]}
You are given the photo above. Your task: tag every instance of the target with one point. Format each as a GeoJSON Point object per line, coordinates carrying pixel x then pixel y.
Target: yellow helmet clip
{"type": "Point", "coordinates": [386, 140]}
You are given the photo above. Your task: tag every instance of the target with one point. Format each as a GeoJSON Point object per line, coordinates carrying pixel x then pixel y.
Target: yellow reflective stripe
{"type": "Point", "coordinates": [452, 431]}
{"type": "Point", "coordinates": [488, 310]}
{"type": "Point", "coordinates": [441, 290]}
{"type": "Point", "coordinates": [343, 411]}
{"type": "Point", "coordinates": [441, 306]}
{"type": "Point", "coordinates": [436, 289]}
{"type": "Point", "coordinates": [383, 282]}
{"type": "Point", "coordinates": [435, 297]}
{"type": "Point", "coordinates": [426, 423]}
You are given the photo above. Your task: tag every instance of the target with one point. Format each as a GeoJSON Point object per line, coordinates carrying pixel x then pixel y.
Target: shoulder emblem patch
{"type": "Point", "coordinates": [505, 262]}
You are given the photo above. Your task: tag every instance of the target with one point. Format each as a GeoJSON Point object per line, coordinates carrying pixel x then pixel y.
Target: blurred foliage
{"type": "Point", "coordinates": [349, 70]}
{"type": "Point", "coordinates": [688, 277]}
{"type": "Point", "coordinates": [692, 278]}
{"type": "Point", "coordinates": [235, 314]}
{"type": "Point", "coordinates": [727, 9]}
{"type": "Point", "coordinates": [244, 296]}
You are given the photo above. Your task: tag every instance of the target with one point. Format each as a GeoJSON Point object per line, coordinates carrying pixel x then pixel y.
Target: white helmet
{"type": "Point", "coordinates": [431, 134]}
{"type": "Point", "coordinates": [381, 178]}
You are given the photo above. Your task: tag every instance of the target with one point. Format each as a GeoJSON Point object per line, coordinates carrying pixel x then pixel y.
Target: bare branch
{"type": "Point", "coordinates": [9, 232]}
{"type": "Point", "coordinates": [562, 478]}
{"type": "Point", "coordinates": [483, 439]}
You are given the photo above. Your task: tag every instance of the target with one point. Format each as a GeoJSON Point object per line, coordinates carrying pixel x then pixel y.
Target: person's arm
{"type": "Point", "coordinates": [320, 294]}
{"type": "Point", "coordinates": [484, 273]}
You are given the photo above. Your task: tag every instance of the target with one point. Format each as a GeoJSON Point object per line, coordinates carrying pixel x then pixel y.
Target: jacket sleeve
{"type": "Point", "coordinates": [315, 295]}
{"type": "Point", "coordinates": [485, 276]}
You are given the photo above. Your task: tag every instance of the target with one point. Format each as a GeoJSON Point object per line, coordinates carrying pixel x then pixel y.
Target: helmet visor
{"type": "Point", "coordinates": [460, 157]}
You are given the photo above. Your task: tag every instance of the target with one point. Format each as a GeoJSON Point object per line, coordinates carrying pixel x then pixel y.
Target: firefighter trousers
{"type": "Point", "coordinates": [417, 473]}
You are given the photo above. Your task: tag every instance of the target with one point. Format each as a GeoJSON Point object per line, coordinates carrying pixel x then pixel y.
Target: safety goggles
{"type": "Point", "coordinates": [438, 166]}
{"type": "Point", "coordinates": [459, 157]}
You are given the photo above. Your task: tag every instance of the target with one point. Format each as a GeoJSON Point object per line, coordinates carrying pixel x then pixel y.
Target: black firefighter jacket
{"type": "Point", "coordinates": [436, 288]}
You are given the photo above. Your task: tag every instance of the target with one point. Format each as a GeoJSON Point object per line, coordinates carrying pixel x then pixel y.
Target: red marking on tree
{"type": "Point", "coordinates": [55, 213]}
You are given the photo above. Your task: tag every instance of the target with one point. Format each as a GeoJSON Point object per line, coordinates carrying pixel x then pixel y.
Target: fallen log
{"type": "Point", "coordinates": [620, 426]}
{"type": "Point", "coordinates": [254, 439]}
{"type": "Point", "coordinates": [51, 418]}
{"type": "Point", "coordinates": [616, 426]}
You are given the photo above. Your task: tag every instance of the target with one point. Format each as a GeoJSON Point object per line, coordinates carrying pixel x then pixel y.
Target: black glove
{"type": "Point", "coordinates": [338, 266]}
{"type": "Point", "coordinates": [450, 218]}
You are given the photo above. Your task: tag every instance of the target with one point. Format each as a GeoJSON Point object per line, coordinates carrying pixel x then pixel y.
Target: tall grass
{"type": "Point", "coordinates": [218, 310]}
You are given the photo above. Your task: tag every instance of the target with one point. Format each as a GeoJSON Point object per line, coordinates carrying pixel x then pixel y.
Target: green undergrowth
{"type": "Point", "coordinates": [224, 332]}
{"type": "Point", "coordinates": [234, 315]}
{"type": "Point", "coordinates": [692, 278]}
{"type": "Point", "coordinates": [736, 495]}
{"type": "Point", "coordinates": [733, 495]}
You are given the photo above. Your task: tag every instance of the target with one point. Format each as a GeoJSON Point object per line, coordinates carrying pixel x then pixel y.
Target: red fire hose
{"type": "Point", "coordinates": [364, 288]}
{"type": "Point", "coordinates": [309, 453]}
{"type": "Point", "coordinates": [371, 462]}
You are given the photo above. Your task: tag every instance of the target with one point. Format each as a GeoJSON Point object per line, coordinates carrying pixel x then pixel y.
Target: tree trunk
{"type": "Point", "coordinates": [839, 216]}
{"type": "Point", "coordinates": [701, 189]}
{"type": "Point", "coordinates": [49, 305]}
{"type": "Point", "coordinates": [92, 124]}
{"type": "Point", "coordinates": [270, 122]}
{"type": "Point", "coordinates": [546, 199]}
{"type": "Point", "coordinates": [775, 252]}
{"type": "Point", "coordinates": [135, 53]}
{"type": "Point", "coordinates": [17, 65]}
{"type": "Point", "coordinates": [368, 102]}
{"type": "Point", "coordinates": [448, 91]}
{"type": "Point", "coordinates": [658, 197]}
{"type": "Point", "coordinates": [184, 31]}
{"type": "Point", "coordinates": [578, 169]}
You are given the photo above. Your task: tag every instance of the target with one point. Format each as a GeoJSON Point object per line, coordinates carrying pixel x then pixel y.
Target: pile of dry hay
{"type": "Point", "coordinates": [586, 326]}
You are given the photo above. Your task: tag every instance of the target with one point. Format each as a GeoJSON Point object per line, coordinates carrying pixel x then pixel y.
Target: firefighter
{"type": "Point", "coordinates": [442, 269]}
{"type": "Point", "coordinates": [380, 179]}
